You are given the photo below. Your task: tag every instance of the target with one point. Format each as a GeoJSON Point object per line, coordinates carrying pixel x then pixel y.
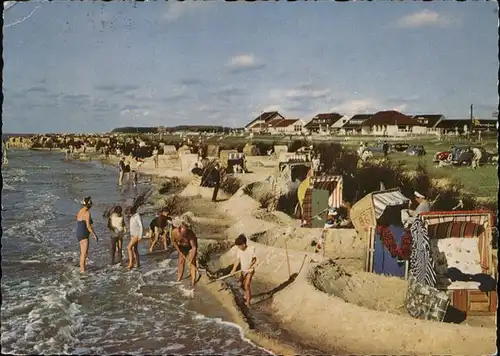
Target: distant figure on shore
{"type": "Point", "coordinates": [68, 151]}
{"type": "Point", "coordinates": [155, 157]}
{"type": "Point", "coordinates": [245, 255]}
{"type": "Point", "coordinates": [121, 167]}
{"type": "Point", "coordinates": [84, 230]}
{"type": "Point", "coordinates": [185, 242]}
{"type": "Point", "coordinates": [215, 177]}
{"type": "Point", "coordinates": [134, 178]}
{"type": "Point", "coordinates": [116, 224]}
{"type": "Point", "coordinates": [136, 230]}
{"type": "Point", "coordinates": [385, 148]}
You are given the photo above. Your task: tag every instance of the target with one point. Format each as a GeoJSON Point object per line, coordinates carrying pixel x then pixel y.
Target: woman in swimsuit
{"type": "Point", "coordinates": [186, 243]}
{"type": "Point", "coordinates": [84, 230]}
{"type": "Point", "coordinates": [116, 224]}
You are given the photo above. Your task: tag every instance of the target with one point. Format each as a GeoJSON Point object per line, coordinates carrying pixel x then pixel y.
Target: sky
{"type": "Point", "coordinates": [93, 66]}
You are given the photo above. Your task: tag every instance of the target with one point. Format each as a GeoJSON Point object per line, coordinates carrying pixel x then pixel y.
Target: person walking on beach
{"type": "Point", "coordinates": [245, 255]}
{"type": "Point", "coordinates": [84, 230]}
{"type": "Point", "coordinates": [185, 242]}
{"type": "Point", "coordinates": [215, 177]}
{"type": "Point", "coordinates": [116, 224]}
{"type": "Point", "coordinates": [155, 156]}
{"type": "Point", "coordinates": [121, 167]}
{"type": "Point", "coordinates": [136, 230]}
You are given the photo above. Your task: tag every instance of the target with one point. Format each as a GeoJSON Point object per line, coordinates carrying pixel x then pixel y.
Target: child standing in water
{"type": "Point", "coordinates": [245, 255]}
{"type": "Point", "coordinates": [116, 223]}
{"type": "Point", "coordinates": [136, 231]}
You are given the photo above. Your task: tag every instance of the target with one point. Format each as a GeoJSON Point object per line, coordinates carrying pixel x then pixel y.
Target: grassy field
{"type": "Point", "coordinates": [483, 182]}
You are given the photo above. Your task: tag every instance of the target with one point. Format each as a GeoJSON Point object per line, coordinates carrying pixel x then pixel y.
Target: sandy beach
{"type": "Point", "coordinates": [302, 293]}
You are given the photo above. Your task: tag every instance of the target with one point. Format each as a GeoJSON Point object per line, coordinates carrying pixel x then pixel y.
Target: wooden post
{"type": "Point", "coordinates": [288, 260]}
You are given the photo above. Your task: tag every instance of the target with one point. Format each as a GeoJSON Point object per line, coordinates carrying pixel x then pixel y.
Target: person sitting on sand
{"type": "Point", "coordinates": [245, 255]}
{"type": "Point", "coordinates": [136, 231]}
{"type": "Point", "coordinates": [162, 229]}
{"type": "Point", "coordinates": [116, 224]}
{"type": "Point", "coordinates": [197, 171]}
{"type": "Point", "coordinates": [84, 230]}
{"type": "Point", "coordinates": [185, 242]}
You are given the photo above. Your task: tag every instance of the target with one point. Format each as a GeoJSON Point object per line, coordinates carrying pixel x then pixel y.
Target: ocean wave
{"type": "Point", "coordinates": [43, 320]}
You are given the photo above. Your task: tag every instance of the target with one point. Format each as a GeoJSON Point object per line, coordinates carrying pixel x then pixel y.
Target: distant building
{"type": "Point", "coordinates": [264, 121]}
{"type": "Point", "coordinates": [392, 123]}
{"type": "Point", "coordinates": [354, 124]}
{"type": "Point", "coordinates": [323, 122]}
{"type": "Point", "coordinates": [430, 121]}
{"type": "Point", "coordinates": [287, 126]}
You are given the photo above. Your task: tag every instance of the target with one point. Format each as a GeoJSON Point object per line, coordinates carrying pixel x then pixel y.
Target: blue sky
{"type": "Point", "coordinates": [90, 67]}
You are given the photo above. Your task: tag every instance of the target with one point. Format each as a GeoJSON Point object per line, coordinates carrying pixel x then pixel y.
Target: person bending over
{"type": "Point", "coordinates": [185, 242]}
{"type": "Point", "coordinates": [245, 255]}
{"type": "Point", "coordinates": [162, 230]}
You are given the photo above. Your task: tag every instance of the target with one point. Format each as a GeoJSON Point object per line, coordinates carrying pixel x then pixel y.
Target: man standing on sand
{"type": "Point", "coordinates": [185, 242]}
{"type": "Point", "coordinates": [215, 177]}
{"type": "Point", "coordinates": [245, 255]}
{"type": "Point", "coordinates": [121, 167]}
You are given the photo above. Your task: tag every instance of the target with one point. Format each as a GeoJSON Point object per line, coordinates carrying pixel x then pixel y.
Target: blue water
{"type": "Point", "coordinates": [48, 308]}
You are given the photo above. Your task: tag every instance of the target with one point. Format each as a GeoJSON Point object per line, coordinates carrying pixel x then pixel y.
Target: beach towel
{"type": "Point", "coordinates": [425, 302]}
{"type": "Point", "coordinates": [421, 262]}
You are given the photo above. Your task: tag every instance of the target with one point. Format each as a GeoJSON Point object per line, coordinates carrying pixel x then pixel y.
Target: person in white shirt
{"type": "Point", "coordinates": [136, 230]}
{"type": "Point", "coordinates": [155, 157]}
{"type": "Point", "coordinates": [116, 224]}
{"type": "Point", "coordinates": [408, 216]}
{"type": "Point", "coordinates": [245, 255]}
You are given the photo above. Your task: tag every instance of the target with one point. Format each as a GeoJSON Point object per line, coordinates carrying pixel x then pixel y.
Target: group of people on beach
{"type": "Point", "coordinates": [176, 232]}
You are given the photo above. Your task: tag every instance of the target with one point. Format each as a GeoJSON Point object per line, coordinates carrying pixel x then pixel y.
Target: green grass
{"type": "Point", "coordinates": [482, 182]}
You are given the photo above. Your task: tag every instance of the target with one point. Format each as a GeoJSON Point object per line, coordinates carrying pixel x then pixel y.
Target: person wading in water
{"type": "Point", "coordinates": [122, 170]}
{"type": "Point", "coordinates": [84, 230]}
{"type": "Point", "coordinates": [136, 231]}
{"type": "Point", "coordinates": [116, 224]}
{"type": "Point", "coordinates": [162, 230]}
{"type": "Point", "coordinates": [185, 242]}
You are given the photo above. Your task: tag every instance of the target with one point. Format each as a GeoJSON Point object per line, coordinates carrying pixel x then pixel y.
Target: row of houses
{"type": "Point", "coordinates": [382, 123]}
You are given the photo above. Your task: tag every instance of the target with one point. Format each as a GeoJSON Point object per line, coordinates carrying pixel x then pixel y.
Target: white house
{"type": "Point", "coordinates": [392, 123]}
{"type": "Point", "coordinates": [288, 127]}
{"type": "Point", "coordinates": [264, 121]}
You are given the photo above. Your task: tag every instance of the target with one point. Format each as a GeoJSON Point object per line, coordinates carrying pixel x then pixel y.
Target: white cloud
{"type": "Point", "coordinates": [242, 61]}
{"type": "Point", "coordinates": [425, 18]}
{"type": "Point", "coordinates": [357, 106]}
{"type": "Point", "coordinates": [307, 94]}
{"type": "Point", "coordinates": [175, 10]}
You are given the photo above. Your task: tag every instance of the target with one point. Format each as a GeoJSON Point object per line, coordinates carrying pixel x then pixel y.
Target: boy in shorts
{"type": "Point", "coordinates": [245, 255]}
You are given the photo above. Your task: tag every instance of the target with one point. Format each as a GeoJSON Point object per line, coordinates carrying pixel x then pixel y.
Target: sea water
{"type": "Point", "coordinates": [48, 308]}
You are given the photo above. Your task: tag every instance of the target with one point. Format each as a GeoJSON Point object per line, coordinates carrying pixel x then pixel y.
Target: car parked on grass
{"type": "Point", "coordinates": [416, 150]}
{"type": "Point", "coordinates": [400, 147]}
{"type": "Point", "coordinates": [441, 156]}
{"type": "Point", "coordinates": [462, 155]}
